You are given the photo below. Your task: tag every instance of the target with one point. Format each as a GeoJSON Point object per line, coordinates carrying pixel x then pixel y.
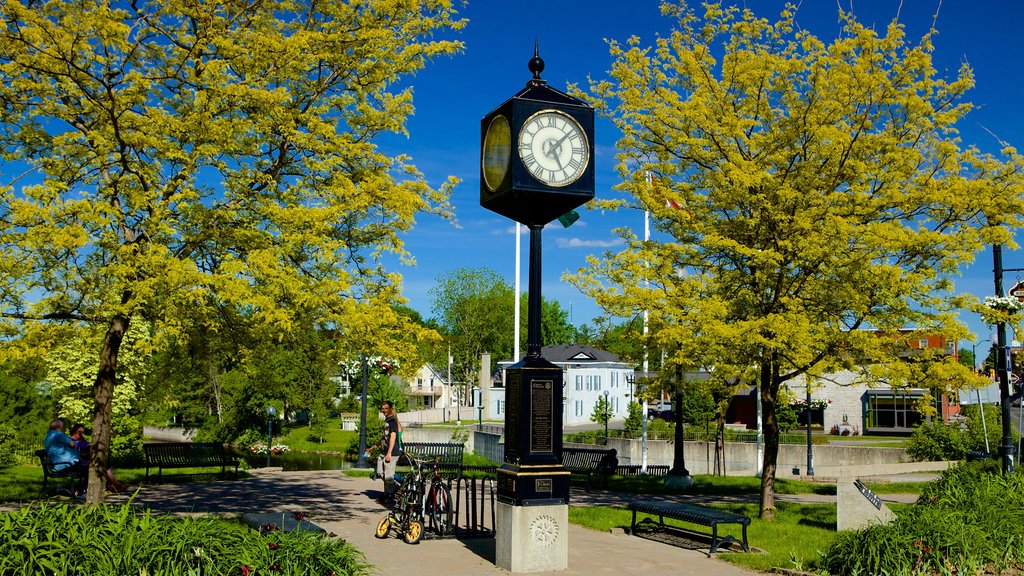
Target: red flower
{"type": "Point", "coordinates": [273, 545]}
{"type": "Point", "coordinates": [246, 570]}
{"type": "Point", "coordinates": [275, 567]}
{"type": "Point", "coordinates": [299, 516]}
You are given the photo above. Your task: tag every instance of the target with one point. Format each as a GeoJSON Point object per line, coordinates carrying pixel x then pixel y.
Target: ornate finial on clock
{"type": "Point", "coordinates": [536, 64]}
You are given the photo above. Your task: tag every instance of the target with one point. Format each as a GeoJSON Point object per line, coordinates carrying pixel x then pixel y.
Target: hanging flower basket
{"type": "Point", "coordinates": [1001, 309]}
{"type": "Point", "coordinates": [814, 405]}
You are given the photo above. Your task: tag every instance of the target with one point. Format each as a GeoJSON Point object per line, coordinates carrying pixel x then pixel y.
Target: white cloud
{"type": "Point", "coordinates": [580, 243]}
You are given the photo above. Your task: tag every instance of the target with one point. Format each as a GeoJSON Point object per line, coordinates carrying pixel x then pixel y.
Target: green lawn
{"type": "Point", "coordinates": [24, 483]}
{"type": "Point", "coordinates": [335, 439]}
{"type": "Point", "coordinates": [790, 541]}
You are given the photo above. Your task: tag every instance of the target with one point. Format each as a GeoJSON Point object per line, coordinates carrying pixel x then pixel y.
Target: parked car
{"type": "Point", "coordinates": [662, 410]}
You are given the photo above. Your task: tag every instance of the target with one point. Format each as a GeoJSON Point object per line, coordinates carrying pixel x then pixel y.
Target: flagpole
{"type": "Point", "coordinates": [643, 425]}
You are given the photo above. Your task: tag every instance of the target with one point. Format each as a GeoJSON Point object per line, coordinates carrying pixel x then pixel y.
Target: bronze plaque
{"type": "Point", "coordinates": [506, 483]}
{"type": "Point", "coordinates": [541, 403]}
{"type": "Point", "coordinates": [542, 485]}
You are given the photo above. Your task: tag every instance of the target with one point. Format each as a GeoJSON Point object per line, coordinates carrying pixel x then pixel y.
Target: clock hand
{"type": "Point", "coordinates": [558, 143]}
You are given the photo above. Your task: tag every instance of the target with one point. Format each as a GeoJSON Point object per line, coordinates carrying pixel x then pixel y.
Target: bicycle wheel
{"type": "Point", "coordinates": [413, 532]}
{"type": "Point", "coordinates": [383, 527]}
{"type": "Point", "coordinates": [439, 509]}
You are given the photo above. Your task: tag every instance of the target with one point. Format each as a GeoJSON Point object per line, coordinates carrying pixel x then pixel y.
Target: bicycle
{"type": "Point", "coordinates": [422, 495]}
{"type": "Point", "coordinates": [406, 517]}
{"type": "Point", "coordinates": [437, 502]}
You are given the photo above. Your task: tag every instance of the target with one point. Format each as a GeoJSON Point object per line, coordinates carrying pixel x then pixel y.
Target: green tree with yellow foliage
{"type": "Point", "coordinates": [810, 199]}
{"type": "Point", "coordinates": [165, 160]}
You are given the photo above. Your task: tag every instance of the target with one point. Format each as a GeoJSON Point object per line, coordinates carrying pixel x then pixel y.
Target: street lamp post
{"type": "Point", "coordinates": [270, 431]}
{"type": "Point", "coordinates": [810, 454]}
{"type": "Point", "coordinates": [361, 460]}
{"type": "Point", "coordinates": [607, 416]}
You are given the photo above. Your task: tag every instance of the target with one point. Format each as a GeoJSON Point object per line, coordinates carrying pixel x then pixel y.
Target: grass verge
{"type": "Point", "coordinates": [792, 540]}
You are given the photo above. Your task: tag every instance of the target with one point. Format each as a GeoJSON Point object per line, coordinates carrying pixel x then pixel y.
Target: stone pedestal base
{"type": "Point", "coordinates": [855, 509]}
{"type": "Point", "coordinates": [532, 538]}
{"type": "Point", "coordinates": [678, 482]}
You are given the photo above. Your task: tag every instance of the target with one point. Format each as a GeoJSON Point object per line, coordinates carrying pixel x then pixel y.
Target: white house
{"type": "Point", "coordinates": [429, 388]}
{"type": "Point", "coordinates": [588, 374]}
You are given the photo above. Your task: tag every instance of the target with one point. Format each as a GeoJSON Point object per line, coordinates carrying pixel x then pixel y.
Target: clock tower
{"type": "Point", "coordinates": [536, 164]}
{"type": "Point", "coordinates": [537, 153]}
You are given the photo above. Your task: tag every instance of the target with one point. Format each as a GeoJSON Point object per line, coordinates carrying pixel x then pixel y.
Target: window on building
{"type": "Point", "coordinates": [501, 406]}
{"type": "Point", "coordinates": [579, 408]}
{"type": "Point", "coordinates": [579, 381]}
{"type": "Point", "coordinates": [597, 382]}
{"type": "Point", "coordinates": [922, 343]}
{"type": "Point", "coordinates": [889, 410]}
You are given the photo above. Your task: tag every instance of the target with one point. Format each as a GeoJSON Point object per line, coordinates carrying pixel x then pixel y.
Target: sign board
{"type": "Point", "coordinates": [1017, 291]}
{"type": "Point", "coordinates": [874, 499]}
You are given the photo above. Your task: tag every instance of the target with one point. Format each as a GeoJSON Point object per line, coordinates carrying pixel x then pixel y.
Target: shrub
{"type": "Point", "coordinates": [969, 521]}
{"type": "Point", "coordinates": [119, 540]}
{"type": "Point", "coordinates": [8, 443]}
{"type": "Point", "coordinates": [933, 441]}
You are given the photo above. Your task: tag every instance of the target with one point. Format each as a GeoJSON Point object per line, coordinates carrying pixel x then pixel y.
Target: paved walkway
{"type": "Point", "coordinates": [345, 506]}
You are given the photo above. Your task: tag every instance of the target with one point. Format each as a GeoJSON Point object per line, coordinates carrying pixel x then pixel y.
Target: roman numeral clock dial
{"type": "Point", "coordinates": [553, 148]}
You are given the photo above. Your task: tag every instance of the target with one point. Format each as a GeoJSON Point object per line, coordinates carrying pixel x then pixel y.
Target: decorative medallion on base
{"type": "Point", "coordinates": [532, 538]}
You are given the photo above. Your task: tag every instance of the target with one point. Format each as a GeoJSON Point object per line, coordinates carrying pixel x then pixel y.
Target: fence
{"type": "Point", "coordinates": [474, 507]}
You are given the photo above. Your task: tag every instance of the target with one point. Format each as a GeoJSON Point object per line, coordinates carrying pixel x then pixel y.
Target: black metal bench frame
{"type": "Point", "coordinates": [69, 473]}
{"type": "Point", "coordinates": [447, 454]}
{"type": "Point", "coordinates": [582, 461]}
{"type": "Point", "coordinates": [637, 470]}
{"type": "Point", "coordinates": [162, 455]}
{"type": "Point", "coordinates": [695, 515]}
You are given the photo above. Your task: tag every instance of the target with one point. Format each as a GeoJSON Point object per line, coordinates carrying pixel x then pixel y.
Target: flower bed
{"type": "Point", "coordinates": [275, 449]}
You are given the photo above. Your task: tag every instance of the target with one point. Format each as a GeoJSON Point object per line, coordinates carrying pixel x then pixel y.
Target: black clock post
{"type": "Point", "coordinates": [536, 164]}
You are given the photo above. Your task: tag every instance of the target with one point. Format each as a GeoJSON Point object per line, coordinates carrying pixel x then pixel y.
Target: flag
{"type": "Point", "coordinates": [568, 218]}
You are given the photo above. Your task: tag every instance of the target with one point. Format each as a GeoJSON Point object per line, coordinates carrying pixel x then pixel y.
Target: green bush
{"type": "Point", "coordinates": [935, 441]}
{"type": "Point", "coordinates": [120, 540]}
{"type": "Point", "coordinates": [8, 447]}
{"type": "Point", "coordinates": [992, 427]}
{"type": "Point", "coordinates": [969, 521]}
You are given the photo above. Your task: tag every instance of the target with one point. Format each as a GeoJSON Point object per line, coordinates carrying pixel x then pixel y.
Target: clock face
{"type": "Point", "coordinates": [553, 148]}
{"type": "Point", "coordinates": [497, 150]}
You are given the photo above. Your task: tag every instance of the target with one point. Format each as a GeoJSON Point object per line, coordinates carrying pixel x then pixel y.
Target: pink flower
{"type": "Point", "coordinates": [246, 570]}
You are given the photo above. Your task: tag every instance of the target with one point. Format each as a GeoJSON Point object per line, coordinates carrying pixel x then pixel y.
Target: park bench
{"type": "Point", "coordinates": [635, 470]}
{"type": "Point", "coordinates": [162, 455]}
{"type": "Point", "coordinates": [70, 474]}
{"type": "Point", "coordinates": [447, 454]}
{"type": "Point", "coordinates": [695, 515]}
{"type": "Point", "coordinates": [582, 462]}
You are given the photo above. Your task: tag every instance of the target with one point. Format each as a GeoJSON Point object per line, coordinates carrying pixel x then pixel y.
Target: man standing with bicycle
{"type": "Point", "coordinates": [389, 452]}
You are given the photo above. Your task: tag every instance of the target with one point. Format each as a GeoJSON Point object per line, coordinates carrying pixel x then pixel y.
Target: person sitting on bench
{"type": "Point", "coordinates": [607, 466]}
{"type": "Point", "coordinates": [85, 453]}
{"type": "Point", "coordinates": [60, 449]}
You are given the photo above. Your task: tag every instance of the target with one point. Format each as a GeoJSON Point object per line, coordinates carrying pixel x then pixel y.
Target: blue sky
{"type": "Point", "coordinates": [452, 95]}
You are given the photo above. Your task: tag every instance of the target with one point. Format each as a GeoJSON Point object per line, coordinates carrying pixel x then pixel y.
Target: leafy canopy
{"type": "Point", "coordinates": [806, 196]}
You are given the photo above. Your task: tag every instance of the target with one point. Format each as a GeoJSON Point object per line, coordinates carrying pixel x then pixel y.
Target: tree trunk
{"type": "Point", "coordinates": [769, 393]}
{"type": "Point", "coordinates": [103, 395]}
